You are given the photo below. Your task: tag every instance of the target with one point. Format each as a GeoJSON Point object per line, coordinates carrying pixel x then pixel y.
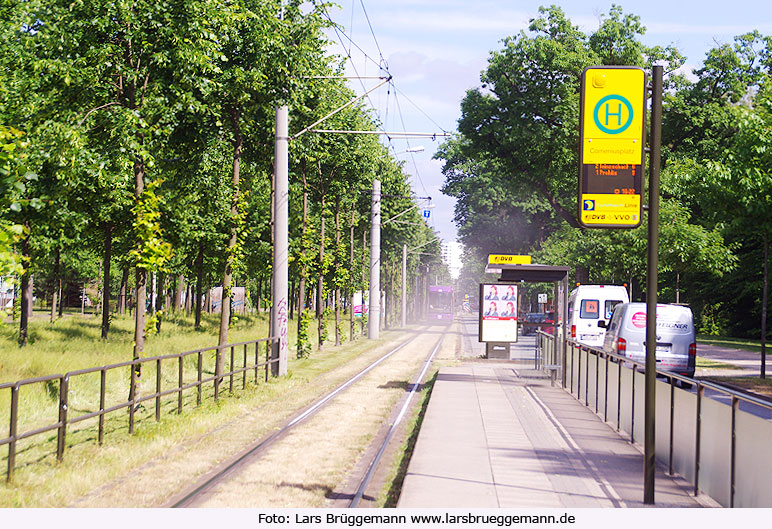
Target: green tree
{"type": "Point", "coordinates": [741, 185]}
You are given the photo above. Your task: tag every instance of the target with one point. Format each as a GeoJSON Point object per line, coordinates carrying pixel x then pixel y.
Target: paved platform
{"type": "Point", "coordinates": [498, 434]}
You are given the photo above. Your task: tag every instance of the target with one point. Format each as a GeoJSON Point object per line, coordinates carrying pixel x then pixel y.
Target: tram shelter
{"type": "Point", "coordinates": [514, 274]}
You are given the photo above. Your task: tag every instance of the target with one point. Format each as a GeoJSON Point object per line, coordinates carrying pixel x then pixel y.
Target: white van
{"type": "Point", "coordinates": [676, 339]}
{"type": "Point", "coordinates": [590, 304]}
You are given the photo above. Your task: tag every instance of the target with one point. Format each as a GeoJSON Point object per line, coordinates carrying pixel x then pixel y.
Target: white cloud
{"type": "Point", "coordinates": [705, 29]}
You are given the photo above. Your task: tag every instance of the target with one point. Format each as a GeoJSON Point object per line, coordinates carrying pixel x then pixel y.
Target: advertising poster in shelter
{"type": "Point", "coordinates": [498, 313]}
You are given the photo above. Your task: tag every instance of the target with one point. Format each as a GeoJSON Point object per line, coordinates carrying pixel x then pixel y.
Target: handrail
{"type": "Point", "coordinates": [719, 465]}
{"type": "Point", "coordinates": [714, 387]}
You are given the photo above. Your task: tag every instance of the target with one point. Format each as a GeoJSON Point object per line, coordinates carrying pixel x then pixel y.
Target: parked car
{"type": "Point", "coordinates": [588, 305]}
{"type": "Point", "coordinates": [550, 319]}
{"type": "Point", "coordinates": [676, 348]}
{"type": "Point", "coordinates": [531, 317]}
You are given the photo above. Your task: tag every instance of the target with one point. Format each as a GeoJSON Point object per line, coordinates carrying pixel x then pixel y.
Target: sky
{"type": "Point", "coordinates": [435, 51]}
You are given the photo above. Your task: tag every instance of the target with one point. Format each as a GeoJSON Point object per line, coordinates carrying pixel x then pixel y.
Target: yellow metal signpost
{"type": "Point", "coordinates": [611, 148]}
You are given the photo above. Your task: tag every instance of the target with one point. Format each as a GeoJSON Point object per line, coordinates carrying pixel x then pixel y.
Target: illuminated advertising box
{"type": "Point", "coordinates": [498, 313]}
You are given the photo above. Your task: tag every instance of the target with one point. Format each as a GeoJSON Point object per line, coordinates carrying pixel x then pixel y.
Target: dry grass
{"type": "Point", "coordinates": [303, 469]}
{"type": "Point", "coordinates": [761, 386]}
{"type": "Point", "coordinates": [145, 469]}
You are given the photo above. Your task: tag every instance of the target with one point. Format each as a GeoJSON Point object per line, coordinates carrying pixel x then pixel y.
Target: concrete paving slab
{"type": "Point", "coordinates": [500, 435]}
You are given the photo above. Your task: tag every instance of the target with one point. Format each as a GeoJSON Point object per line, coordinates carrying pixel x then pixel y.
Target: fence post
{"type": "Point", "coordinates": [632, 405]}
{"type": "Point", "coordinates": [597, 376]}
{"type": "Point", "coordinates": [619, 395]}
{"type": "Point", "coordinates": [257, 360]}
{"type": "Point", "coordinates": [275, 348]}
{"type": "Point", "coordinates": [578, 375]}
{"type": "Point", "coordinates": [268, 347]}
{"type": "Point", "coordinates": [132, 394]}
{"type": "Point", "coordinates": [230, 388]}
{"type": "Point", "coordinates": [244, 372]}
{"type": "Point", "coordinates": [180, 380]}
{"type": "Point", "coordinates": [587, 379]}
{"type": "Point", "coordinates": [158, 390]}
{"type": "Point", "coordinates": [102, 389]}
{"type": "Point", "coordinates": [200, 377]}
{"type": "Point", "coordinates": [565, 360]}
{"type": "Point", "coordinates": [700, 394]}
{"type": "Point", "coordinates": [12, 431]}
{"type": "Point", "coordinates": [672, 413]}
{"type": "Point", "coordinates": [64, 384]}
{"type": "Point", "coordinates": [217, 378]}
{"type": "Point", "coordinates": [605, 391]}
{"type": "Point", "coordinates": [735, 404]}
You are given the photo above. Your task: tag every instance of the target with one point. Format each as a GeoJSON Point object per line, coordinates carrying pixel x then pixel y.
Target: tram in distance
{"type": "Point", "coordinates": [440, 303]}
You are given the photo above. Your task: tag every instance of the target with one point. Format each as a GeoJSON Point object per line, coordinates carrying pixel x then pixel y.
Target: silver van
{"type": "Point", "coordinates": [676, 339]}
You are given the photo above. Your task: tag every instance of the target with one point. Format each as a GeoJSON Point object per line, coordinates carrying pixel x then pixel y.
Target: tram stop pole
{"type": "Point", "coordinates": [404, 286]}
{"type": "Point", "coordinates": [374, 316]}
{"type": "Point", "coordinates": [651, 288]}
{"type": "Point", "coordinates": [280, 272]}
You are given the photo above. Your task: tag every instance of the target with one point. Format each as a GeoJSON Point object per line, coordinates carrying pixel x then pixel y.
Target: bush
{"type": "Point", "coordinates": [713, 322]}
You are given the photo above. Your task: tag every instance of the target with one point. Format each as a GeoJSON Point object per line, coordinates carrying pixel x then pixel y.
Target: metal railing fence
{"type": "Point", "coordinates": [716, 438]}
{"type": "Point", "coordinates": [77, 393]}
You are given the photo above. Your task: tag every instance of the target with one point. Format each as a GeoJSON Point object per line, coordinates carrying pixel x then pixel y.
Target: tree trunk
{"type": "Point", "coordinates": [141, 274]}
{"type": "Point", "coordinates": [159, 300]}
{"type": "Point", "coordinates": [320, 282]}
{"type": "Point", "coordinates": [98, 307]}
{"type": "Point", "coordinates": [303, 269]}
{"type": "Point", "coordinates": [764, 307]}
{"type": "Point", "coordinates": [26, 287]}
{"type": "Point", "coordinates": [151, 293]}
{"type": "Point", "coordinates": [225, 312]}
{"type": "Point", "coordinates": [55, 285]}
{"type": "Point", "coordinates": [677, 286]}
{"type": "Point", "coordinates": [292, 298]}
{"type": "Point", "coordinates": [122, 301]}
{"type": "Point", "coordinates": [337, 265]}
{"type": "Point", "coordinates": [259, 294]}
{"type": "Point", "coordinates": [178, 289]}
{"type": "Point", "coordinates": [106, 282]}
{"type": "Point", "coordinates": [61, 296]}
{"type": "Point", "coordinates": [199, 283]}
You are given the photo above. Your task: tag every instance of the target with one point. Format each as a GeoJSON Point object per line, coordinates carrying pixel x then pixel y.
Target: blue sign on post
{"type": "Point", "coordinates": [427, 212]}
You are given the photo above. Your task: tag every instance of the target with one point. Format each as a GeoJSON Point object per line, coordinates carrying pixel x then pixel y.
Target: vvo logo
{"type": "Point", "coordinates": [613, 114]}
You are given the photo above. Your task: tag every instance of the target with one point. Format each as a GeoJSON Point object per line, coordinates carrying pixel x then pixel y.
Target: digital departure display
{"type": "Point", "coordinates": [613, 179]}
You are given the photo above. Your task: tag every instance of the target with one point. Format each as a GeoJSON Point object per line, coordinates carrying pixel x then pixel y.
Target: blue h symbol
{"type": "Point", "coordinates": [618, 114]}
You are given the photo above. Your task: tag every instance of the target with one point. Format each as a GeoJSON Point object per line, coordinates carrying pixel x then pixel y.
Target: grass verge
{"type": "Point", "coordinates": [706, 363]}
{"type": "Point", "coordinates": [760, 386]}
{"type": "Point", "coordinates": [389, 495]}
{"type": "Point", "coordinates": [42, 481]}
{"type": "Point", "coordinates": [744, 344]}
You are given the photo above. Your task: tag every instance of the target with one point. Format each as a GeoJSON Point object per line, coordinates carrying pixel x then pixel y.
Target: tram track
{"type": "Point", "coordinates": [205, 487]}
{"type": "Point", "coordinates": [383, 445]}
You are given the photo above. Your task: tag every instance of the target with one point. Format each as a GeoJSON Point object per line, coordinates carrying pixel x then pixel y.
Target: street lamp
{"type": "Point", "coordinates": [419, 148]}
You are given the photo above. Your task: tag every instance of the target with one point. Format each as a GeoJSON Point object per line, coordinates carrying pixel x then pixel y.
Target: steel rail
{"type": "Point", "coordinates": [377, 459]}
{"type": "Point", "coordinates": [188, 496]}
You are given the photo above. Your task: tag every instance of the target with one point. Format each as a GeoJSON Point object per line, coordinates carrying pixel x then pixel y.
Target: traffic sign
{"type": "Point", "coordinates": [611, 146]}
{"type": "Point", "coordinates": [427, 213]}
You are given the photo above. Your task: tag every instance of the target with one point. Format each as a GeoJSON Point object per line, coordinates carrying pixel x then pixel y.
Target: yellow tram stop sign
{"type": "Point", "coordinates": [611, 146]}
